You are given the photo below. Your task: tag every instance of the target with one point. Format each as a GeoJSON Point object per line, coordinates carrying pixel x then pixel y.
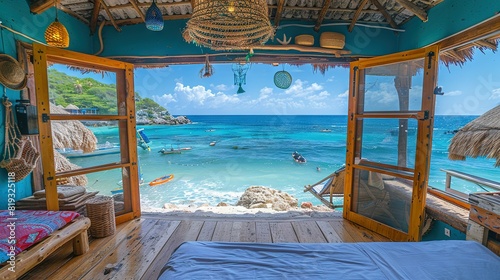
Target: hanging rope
{"type": "Point", "coordinates": [19, 155]}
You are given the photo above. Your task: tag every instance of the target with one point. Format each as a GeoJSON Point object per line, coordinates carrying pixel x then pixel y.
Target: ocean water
{"type": "Point", "coordinates": [256, 150]}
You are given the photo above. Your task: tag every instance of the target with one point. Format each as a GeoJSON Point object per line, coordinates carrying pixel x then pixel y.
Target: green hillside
{"type": "Point", "coordinates": [89, 93]}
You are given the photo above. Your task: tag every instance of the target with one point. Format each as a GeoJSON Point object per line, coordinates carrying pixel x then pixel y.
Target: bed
{"type": "Point", "coordinates": [372, 260]}
{"type": "Point", "coordinates": [37, 234]}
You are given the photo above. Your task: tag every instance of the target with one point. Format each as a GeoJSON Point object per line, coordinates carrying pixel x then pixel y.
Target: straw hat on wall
{"type": "Point", "coordinates": [12, 74]}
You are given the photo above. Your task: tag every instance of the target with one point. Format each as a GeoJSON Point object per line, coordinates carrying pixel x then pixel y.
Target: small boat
{"type": "Point", "coordinates": [169, 151]}
{"type": "Point", "coordinates": [298, 157]}
{"type": "Point", "coordinates": [326, 130]}
{"type": "Point", "coordinates": [102, 149]}
{"type": "Point", "coordinates": [212, 143]}
{"type": "Point", "coordinates": [143, 140]}
{"type": "Point", "coordinates": [161, 180]}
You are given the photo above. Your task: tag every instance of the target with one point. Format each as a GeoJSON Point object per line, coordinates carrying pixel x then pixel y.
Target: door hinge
{"type": "Point", "coordinates": [45, 117]}
{"type": "Point", "coordinates": [430, 55]}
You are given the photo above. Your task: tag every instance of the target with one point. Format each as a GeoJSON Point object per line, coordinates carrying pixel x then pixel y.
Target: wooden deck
{"type": "Point", "coordinates": [140, 248]}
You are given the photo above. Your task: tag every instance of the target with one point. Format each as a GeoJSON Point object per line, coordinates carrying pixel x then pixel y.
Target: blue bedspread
{"type": "Point", "coordinates": [373, 260]}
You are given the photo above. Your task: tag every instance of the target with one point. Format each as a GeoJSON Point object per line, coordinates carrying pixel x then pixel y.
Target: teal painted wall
{"type": "Point", "coordinates": [437, 230]}
{"type": "Point", "coordinates": [446, 19]}
{"type": "Point", "coordinates": [16, 15]}
{"type": "Point", "coordinates": [137, 40]}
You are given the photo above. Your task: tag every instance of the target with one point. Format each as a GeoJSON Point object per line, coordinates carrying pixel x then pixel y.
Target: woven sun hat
{"type": "Point", "coordinates": [12, 74]}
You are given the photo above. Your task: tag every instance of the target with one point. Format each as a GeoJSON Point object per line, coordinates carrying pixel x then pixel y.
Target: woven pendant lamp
{"type": "Point", "coordinates": [56, 34]}
{"type": "Point", "coordinates": [154, 18]}
{"type": "Point", "coordinates": [229, 24]}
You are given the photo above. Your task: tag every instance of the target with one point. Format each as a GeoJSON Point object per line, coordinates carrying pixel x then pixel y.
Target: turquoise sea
{"type": "Point", "coordinates": [256, 150]}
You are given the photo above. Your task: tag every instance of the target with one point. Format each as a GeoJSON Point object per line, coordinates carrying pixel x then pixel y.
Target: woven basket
{"type": "Point", "coordinates": [101, 212]}
{"type": "Point", "coordinates": [332, 40]}
{"type": "Point", "coordinates": [304, 40]}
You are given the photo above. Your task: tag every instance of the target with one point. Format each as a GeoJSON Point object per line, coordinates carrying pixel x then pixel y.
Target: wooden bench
{"type": "Point", "coordinates": [75, 231]}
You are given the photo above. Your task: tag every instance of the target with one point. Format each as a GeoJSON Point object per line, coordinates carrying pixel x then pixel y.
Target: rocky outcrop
{"type": "Point", "coordinates": [145, 117]}
{"type": "Point", "coordinates": [262, 197]}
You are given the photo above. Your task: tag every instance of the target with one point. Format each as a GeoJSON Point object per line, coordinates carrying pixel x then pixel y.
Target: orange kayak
{"type": "Point", "coordinates": [161, 180]}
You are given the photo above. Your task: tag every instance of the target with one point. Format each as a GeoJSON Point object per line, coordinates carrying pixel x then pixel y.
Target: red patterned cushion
{"type": "Point", "coordinates": [26, 227]}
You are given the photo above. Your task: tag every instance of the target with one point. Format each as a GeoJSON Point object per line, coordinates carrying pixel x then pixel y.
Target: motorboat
{"type": "Point", "coordinates": [173, 151]}
{"type": "Point", "coordinates": [212, 143]}
{"type": "Point", "coordinates": [298, 157]}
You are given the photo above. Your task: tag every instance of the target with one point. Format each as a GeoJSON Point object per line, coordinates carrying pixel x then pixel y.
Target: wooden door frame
{"type": "Point", "coordinates": [424, 141]}
{"type": "Point", "coordinates": [126, 119]}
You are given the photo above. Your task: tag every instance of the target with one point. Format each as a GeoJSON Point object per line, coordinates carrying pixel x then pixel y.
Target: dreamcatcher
{"type": "Point", "coordinates": [240, 75]}
{"type": "Point", "coordinates": [207, 69]}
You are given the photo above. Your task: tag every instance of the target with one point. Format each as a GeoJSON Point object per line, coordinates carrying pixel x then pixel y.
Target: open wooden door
{"type": "Point", "coordinates": [391, 113]}
{"type": "Point", "coordinates": [116, 115]}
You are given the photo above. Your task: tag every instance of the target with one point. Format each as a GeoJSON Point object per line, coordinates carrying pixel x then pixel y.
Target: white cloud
{"type": "Point", "coordinates": [495, 94]}
{"type": "Point", "coordinates": [200, 96]}
{"type": "Point", "coordinates": [453, 93]}
{"type": "Point", "coordinates": [300, 88]}
{"type": "Point", "coordinates": [221, 87]}
{"type": "Point", "coordinates": [164, 99]}
{"type": "Point", "coordinates": [330, 79]}
{"type": "Point", "coordinates": [344, 95]}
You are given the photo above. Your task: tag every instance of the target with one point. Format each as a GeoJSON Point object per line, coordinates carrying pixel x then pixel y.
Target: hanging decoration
{"type": "Point", "coordinates": [56, 35]}
{"type": "Point", "coordinates": [240, 75]}
{"type": "Point", "coordinates": [229, 24]}
{"type": "Point", "coordinates": [207, 70]}
{"type": "Point", "coordinates": [154, 18]}
{"type": "Point", "coordinates": [282, 79]}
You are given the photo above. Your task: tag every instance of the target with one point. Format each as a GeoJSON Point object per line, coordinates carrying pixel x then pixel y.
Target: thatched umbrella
{"type": "Point", "coordinates": [480, 137]}
{"type": "Point", "coordinates": [63, 164]}
{"type": "Point", "coordinates": [71, 134]}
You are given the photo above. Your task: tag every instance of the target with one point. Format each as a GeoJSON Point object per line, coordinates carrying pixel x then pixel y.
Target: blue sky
{"type": "Point", "coordinates": [469, 90]}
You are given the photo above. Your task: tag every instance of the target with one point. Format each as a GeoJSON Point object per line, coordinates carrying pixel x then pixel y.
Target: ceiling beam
{"type": "Point", "coordinates": [131, 21]}
{"type": "Point", "coordinates": [279, 12]}
{"type": "Point", "coordinates": [147, 4]}
{"type": "Point", "coordinates": [356, 14]}
{"type": "Point", "coordinates": [421, 14]}
{"type": "Point", "coordinates": [320, 8]}
{"type": "Point", "coordinates": [40, 6]}
{"type": "Point", "coordinates": [70, 12]}
{"type": "Point", "coordinates": [322, 14]}
{"type": "Point", "coordinates": [384, 12]}
{"type": "Point", "coordinates": [95, 15]}
{"type": "Point", "coordinates": [110, 16]}
{"type": "Point", "coordinates": [136, 8]}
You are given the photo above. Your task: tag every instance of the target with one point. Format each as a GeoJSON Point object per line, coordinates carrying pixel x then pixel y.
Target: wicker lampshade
{"type": "Point", "coordinates": [56, 35]}
{"type": "Point", "coordinates": [154, 18]}
{"type": "Point", "coordinates": [229, 24]}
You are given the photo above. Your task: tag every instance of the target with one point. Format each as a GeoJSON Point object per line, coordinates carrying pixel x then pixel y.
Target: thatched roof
{"type": "Point", "coordinates": [479, 138]}
{"type": "Point", "coordinates": [63, 164]}
{"type": "Point", "coordinates": [71, 134]}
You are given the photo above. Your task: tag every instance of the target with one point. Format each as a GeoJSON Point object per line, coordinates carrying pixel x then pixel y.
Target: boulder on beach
{"type": "Point", "coordinates": [262, 197]}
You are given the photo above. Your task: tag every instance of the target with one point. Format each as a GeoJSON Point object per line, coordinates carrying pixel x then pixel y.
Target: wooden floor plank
{"type": "Point", "coordinates": [243, 232]}
{"type": "Point", "coordinates": [136, 262]}
{"type": "Point", "coordinates": [308, 232]}
{"type": "Point", "coordinates": [185, 231]}
{"type": "Point", "coordinates": [329, 232]}
{"type": "Point", "coordinates": [207, 231]}
{"type": "Point", "coordinates": [342, 232]}
{"type": "Point", "coordinates": [223, 231]}
{"type": "Point", "coordinates": [283, 232]}
{"type": "Point", "coordinates": [141, 247]}
{"type": "Point", "coordinates": [121, 249]}
{"type": "Point", "coordinates": [263, 232]}
{"type": "Point", "coordinates": [99, 248]}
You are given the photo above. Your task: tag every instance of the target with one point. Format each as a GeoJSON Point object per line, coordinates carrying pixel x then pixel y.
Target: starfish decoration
{"type": "Point", "coordinates": [285, 41]}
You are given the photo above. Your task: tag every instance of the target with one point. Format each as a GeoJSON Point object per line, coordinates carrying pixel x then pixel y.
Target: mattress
{"type": "Point", "coordinates": [371, 260]}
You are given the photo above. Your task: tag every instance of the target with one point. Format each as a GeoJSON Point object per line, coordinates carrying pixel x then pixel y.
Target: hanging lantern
{"type": "Point", "coordinates": [240, 76]}
{"type": "Point", "coordinates": [56, 34]}
{"type": "Point", "coordinates": [154, 18]}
